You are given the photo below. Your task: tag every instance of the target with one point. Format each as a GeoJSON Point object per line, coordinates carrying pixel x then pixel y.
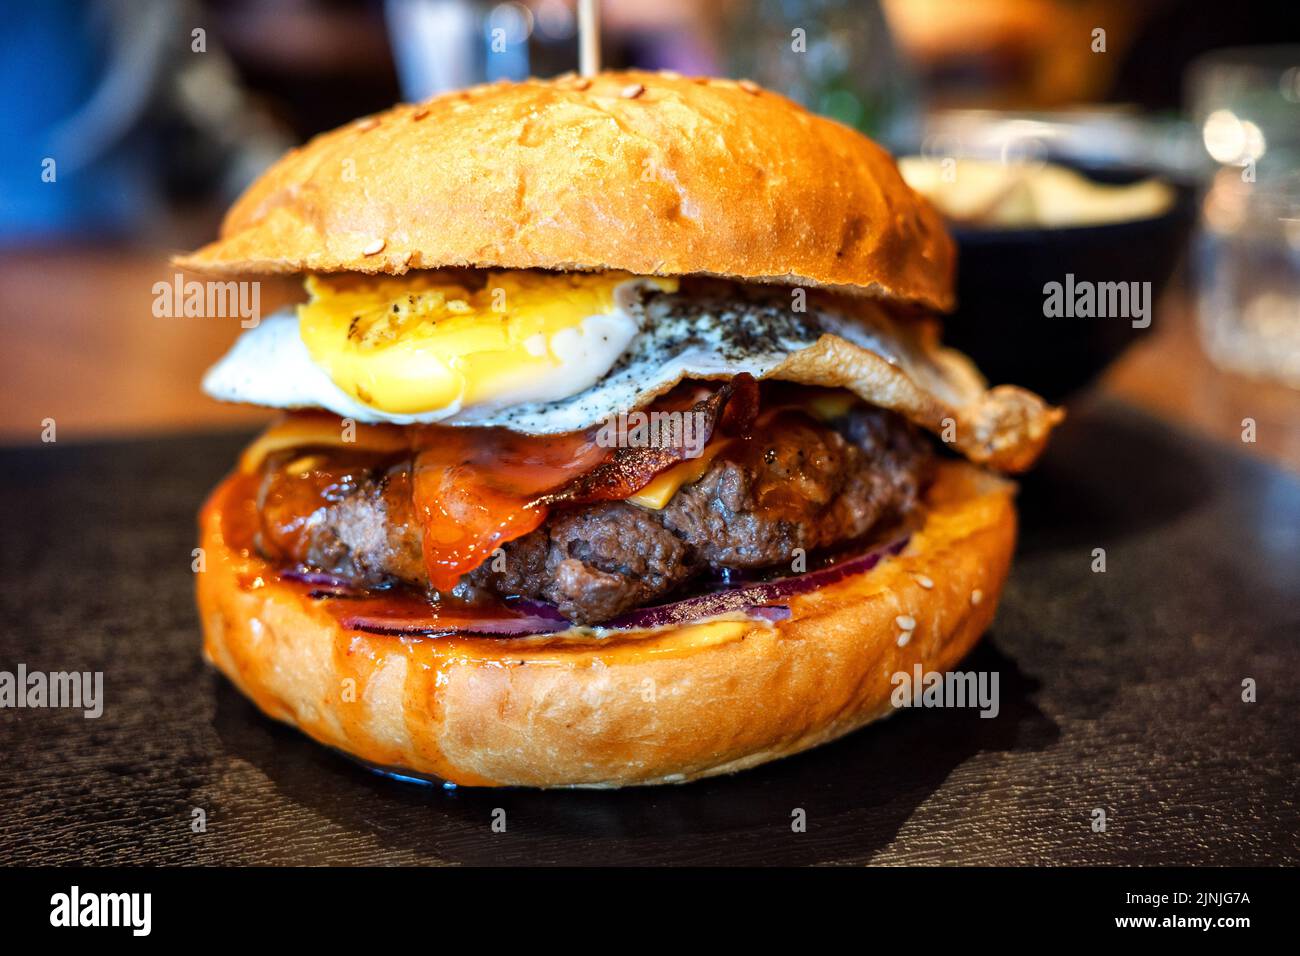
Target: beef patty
{"type": "Point", "coordinates": [796, 484]}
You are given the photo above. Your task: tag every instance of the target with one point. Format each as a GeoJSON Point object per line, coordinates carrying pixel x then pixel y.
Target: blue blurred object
{"type": "Point", "coordinates": [444, 45]}
{"type": "Point", "coordinates": [75, 79]}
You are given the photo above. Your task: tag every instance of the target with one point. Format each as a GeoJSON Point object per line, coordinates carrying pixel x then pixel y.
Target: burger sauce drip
{"type": "Point", "coordinates": [232, 513]}
{"type": "Point", "coordinates": [477, 489]}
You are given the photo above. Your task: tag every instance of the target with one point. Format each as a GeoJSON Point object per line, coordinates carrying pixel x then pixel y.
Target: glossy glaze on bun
{"type": "Point", "coordinates": [651, 173]}
{"type": "Point", "coordinates": [663, 707]}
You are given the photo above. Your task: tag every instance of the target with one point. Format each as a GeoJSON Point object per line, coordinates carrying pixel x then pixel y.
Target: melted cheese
{"type": "Point", "coordinates": [663, 486]}
{"type": "Point", "coordinates": [320, 431]}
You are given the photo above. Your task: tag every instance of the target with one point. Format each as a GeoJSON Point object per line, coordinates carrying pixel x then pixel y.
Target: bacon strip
{"type": "Point", "coordinates": [475, 489]}
{"type": "Point", "coordinates": [729, 410]}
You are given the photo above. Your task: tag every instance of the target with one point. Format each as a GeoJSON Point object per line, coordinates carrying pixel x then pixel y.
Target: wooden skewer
{"type": "Point", "coordinates": [589, 37]}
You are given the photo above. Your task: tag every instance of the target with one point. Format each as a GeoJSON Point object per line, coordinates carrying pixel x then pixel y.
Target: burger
{"type": "Point", "coordinates": [619, 446]}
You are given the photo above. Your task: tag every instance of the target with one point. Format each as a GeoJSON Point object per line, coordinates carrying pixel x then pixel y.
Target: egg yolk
{"type": "Point", "coordinates": [435, 341]}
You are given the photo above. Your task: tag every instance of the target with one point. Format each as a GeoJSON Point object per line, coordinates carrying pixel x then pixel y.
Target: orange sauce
{"type": "Point", "coordinates": [477, 489]}
{"type": "Point", "coordinates": [400, 607]}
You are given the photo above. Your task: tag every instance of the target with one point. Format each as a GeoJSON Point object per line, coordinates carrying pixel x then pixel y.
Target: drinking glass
{"type": "Point", "coordinates": [1246, 103]}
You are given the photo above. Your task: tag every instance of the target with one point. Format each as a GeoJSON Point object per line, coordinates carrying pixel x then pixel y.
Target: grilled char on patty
{"type": "Point", "coordinates": [799, 483]}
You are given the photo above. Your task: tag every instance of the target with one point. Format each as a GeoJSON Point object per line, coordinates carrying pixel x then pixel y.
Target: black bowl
{"type": "Point", "coordinates": [1001, 274]}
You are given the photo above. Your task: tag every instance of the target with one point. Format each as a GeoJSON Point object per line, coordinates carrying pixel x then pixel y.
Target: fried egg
{"type": "Point", "coordinates": [534, 352]}
{"type": "Point", "coordinates": [429, 347]}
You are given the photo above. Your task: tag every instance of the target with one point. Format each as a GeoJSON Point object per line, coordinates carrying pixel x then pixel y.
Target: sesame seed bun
{"type": "Point", "coordinates": [655, 174]}
{"type": "Point", "coordinates": [654, 707]}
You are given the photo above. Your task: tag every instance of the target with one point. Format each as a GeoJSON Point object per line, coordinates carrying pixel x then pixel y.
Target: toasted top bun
{"type": "Point", "coordinates": [651, 173]}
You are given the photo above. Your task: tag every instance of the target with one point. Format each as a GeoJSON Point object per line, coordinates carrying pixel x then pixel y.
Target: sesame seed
{"type": "Point", "coordinates": [906, 622]}
{"type": "Point", "coordinates": [374, 248]}
{"type": "Point", "coordinates": [631, 91]}
{"type": "Point", "coordinates": [406, 257]}
{"type": "Point", "coordinates": [581, 83]}
{"type": "Point", "coordinates": [365, 125]}
{"type": "Point", "coordinates": [670, 74]}
{"type": "Point", "coordinates": [904, 638]}
{"type": "Point", "coordinates": [976, 596]}
{"type": "Point", "coordinates": [749, 86]}
{"type": "Point", "coordinates": [924, 580]}
{"type": "Point", "coordinates": [420, 113]}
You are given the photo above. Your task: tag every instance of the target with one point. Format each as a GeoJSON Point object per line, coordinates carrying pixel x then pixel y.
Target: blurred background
{"type": "Point", "coordinates": [1104, 139]}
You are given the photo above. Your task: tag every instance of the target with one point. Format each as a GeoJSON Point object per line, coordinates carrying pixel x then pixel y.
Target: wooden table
{"type": "Point", "coordinates": [1171, 377]}
{"type": "Point", "coordinates": [83, 347]}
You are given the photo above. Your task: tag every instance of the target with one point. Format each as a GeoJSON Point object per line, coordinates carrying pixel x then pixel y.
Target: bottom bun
{"type": "Point", "coordinates": [573, 710]}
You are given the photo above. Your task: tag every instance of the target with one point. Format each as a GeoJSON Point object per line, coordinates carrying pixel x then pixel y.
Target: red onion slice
{"type": "Point", "coordinates": [520, 618]}
{"type": "Point", "coordinates": [754, 596]}
{"type": "Point", "coordinates": [431, 624]}
{"type": "Point", "coordinates": [323, 584]}
{"type": "Point", "coordinates": [317, 578]}
{"type": "Point", "coordinates": [770, 612]}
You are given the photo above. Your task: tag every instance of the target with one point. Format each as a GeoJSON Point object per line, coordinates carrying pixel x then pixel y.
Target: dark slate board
{"type": "Point", "coordinates": [1119, 690]}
